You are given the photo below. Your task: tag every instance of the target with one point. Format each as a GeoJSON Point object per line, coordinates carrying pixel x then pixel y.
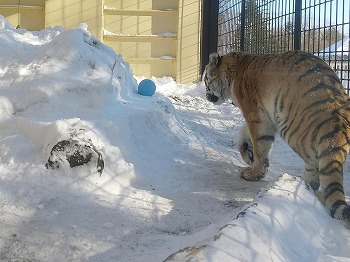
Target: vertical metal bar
{"type": "Point", "coordinates": [297, 26]}
{"type": "Point", "coordinates": [324, 30]}
{"type": "Point", "coordinates": [330, 38]}
{"type": "Point", "coordinates": [280, 24]}
{"type": "Point", "coordinates": [274, 17]}
{"type": "Point", "coordinates": [272, 30]}
{"type": "Point", "coordinates": [205, 34]}
{"type": "Point", "coordinates": [292, 17]}
{"type": "Point", "coordinates": [347, 57]}
{"type": "Point", "coordinates": [210, 30]}
{"type": "Point", "coordinates": [314, 29]}
{"type": "Point", "coordinates": [19, 14]}
{"type": "Point", "coordinates": [259, 32]}
{"type": "Point", "coordinates": [342, 42]}
{"type": "Point", "coordinates": [310, 30]}
{"type": "Point", "coordinates": [243, 21]}
{"type": "Point", "coordinates": [319, 31]}
{"type": "Point", "coordinates": [286, 31]}
{"type": "Point", "coordinates": [252, 27]}
{"type": "Point", "coordinates": [266, 33]}
{"type": "Point", "coordinates": [259, 37]}
{"type": "Point", "coordinates": [287, 22]}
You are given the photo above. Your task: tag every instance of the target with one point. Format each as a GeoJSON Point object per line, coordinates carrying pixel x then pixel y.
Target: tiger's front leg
{"type": "Point", "coordinates": [245, 145]}
{"type": "Point", "coordinates": [262, 137]}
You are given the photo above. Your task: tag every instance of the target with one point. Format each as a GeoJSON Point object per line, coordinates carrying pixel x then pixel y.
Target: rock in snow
{"type": "Point", "coordinates": [76, 153]}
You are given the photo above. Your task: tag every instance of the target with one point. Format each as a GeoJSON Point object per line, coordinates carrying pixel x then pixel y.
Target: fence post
{"type": "Point", "coordinates": [242, 33]}
{"type": "Point", "coordinates": [210, 11]}
{"type": "Point", "coordinates": [297, 25]}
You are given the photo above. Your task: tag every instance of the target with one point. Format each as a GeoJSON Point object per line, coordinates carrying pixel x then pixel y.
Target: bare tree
{"type": "Point", "coordinates": [265, 33]}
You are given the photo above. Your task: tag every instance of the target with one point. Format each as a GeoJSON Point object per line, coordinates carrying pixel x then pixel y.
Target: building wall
{"type": "Point", "coordinates": [70, 13]}
{"type": "Point", "coordinates": [189, 40]}
{"type": "Point", "coordinates": [136, 30]}
{"type": "Point", "coordinates": [157, 37]}
{"type": "Point", "coordinates": [29, 15]}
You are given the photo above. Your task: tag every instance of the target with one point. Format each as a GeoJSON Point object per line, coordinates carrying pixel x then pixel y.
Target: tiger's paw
{"type": "Point", "coordinates": [247, 153]}
{"type": "Point", "coordinates": [251, 174]}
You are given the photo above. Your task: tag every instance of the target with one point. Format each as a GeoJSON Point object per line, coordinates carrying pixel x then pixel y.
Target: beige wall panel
{"type": "Point", "coordinates": [143, 54]}
{"type": "Point", "coordinates": [156, 24]}
{"type": "Point", "coordinates": [151, 49]}
{"type": "Point", "coordinates": [188, 54]}
{"type": "Point", "coordinates": [131, 49]}
{"type": "Point", "coordinates": [189, 73]}
{"type": "Point", "coordinates": [128, 24]}
{"type": "Point", "coordinates": [129, 4]}
{"type": "Point", "coordinates": [153, 69]}
{"type": "Point", "coordinates": [23, 2]}
{"type": "Point", "coordinates": [141, 69]}
{"type": "Point", "coordinates": [163, 69]}
{"type": "Point", "coordinates": [31, 15]}
{"type": "Point", "coordinates": [142, 4]}
{"type": "Point", "coordinates": [165, 4]}
{"type": "Point", "coordinates": [164, 48]}
{"type": "Point", "coordinates": [33, 20]}
{"type": "Point", "coordinates": [70, 13]}
{"type": "Point", "coordinates": [164, 24]}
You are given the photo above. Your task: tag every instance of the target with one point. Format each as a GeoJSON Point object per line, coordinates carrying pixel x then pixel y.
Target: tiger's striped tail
{"type": "Point", "coordinates": [341, 210]}
{"type": "Point", "coordinates": [331, 165]}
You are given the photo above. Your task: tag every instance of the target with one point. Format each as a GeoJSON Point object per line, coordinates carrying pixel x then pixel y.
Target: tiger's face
{"type": "Point", "coordinates": [210, 95]}
{"type": "Point", "coordinates": [217, 87]}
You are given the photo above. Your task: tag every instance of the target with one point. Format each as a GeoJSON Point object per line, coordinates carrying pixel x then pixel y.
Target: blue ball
{"type": "Point", "coordinates": [147, 87]}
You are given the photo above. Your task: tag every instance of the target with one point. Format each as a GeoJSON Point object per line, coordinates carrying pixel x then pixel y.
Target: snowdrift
{"type": "Point", "coordinates": [64, 94]}
{"type": "Point", "coordinates": [285, 222]}
{"type": "Point", "coordinates": [66, 86]}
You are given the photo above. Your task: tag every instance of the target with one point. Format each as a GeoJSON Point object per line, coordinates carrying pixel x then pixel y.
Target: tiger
{"type": "Point", "coordinates": [297, 96]}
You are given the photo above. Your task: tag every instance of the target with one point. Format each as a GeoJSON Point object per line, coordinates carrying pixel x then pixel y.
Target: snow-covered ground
{"type": "Point", "coordinates": [169, 180]}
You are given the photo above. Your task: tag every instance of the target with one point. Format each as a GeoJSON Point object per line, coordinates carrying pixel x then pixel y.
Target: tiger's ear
{"type": "Point", "coordinates": [214, 59]}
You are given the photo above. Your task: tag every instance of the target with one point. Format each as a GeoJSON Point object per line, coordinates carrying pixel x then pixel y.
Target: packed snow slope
{"type": "Point", "coordinates": [169, 178]}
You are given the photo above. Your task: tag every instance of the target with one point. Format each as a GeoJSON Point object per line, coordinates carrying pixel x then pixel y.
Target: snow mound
{"type": "Point", "coordinates": [279, 225]}
{"type": "Point", "coordinates": [64, 94]}
{"type": "Point", "coordinates": [68, 86]}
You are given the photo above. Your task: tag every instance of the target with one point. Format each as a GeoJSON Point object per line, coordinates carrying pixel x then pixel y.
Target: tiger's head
{"type": "Point", "coordinates": [217, 85]}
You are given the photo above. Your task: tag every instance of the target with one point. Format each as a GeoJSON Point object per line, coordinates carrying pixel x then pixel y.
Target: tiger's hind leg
{"type": "Point", "coordinates": [245, 145]}
{"type": "Point", "coordinates": [310, 175]}
{"type": "Point", "coordinates": [262, 136]}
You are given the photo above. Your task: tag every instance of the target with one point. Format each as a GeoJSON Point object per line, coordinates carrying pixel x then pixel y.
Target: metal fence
{"type": "Point", "coordinates": [320, 27]}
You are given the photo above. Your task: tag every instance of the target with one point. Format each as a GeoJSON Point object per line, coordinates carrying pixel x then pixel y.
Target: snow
{"type": "Point", "coordinates": [285, 222]}
{"type": "Point", "coordinates": [167, 57]}
{"type": "Point", "coordinates": [165, 34]}
{"type": "Point", "coordinates": [170, 167]}
{"type": "Point", "coordinates": [168, 34]}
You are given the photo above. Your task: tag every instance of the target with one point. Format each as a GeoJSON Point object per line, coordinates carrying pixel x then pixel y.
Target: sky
{"type": "Point", "coordinates": [335, 12]}
{"type": "Point", "coordinates": [319, 12]}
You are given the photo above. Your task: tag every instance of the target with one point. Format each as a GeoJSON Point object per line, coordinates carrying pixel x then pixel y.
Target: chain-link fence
{"type": "Point", "coordinates": [320, 27]}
